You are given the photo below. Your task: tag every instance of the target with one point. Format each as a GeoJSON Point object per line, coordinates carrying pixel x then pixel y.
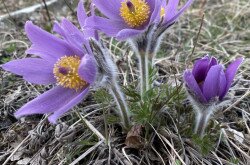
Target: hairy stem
{"type": "Point", "coordinates": [122, 105]}
{"type": "Point", "coordinates": [144, 75]}
{"type": "Point", "coordinates": [201, 123]}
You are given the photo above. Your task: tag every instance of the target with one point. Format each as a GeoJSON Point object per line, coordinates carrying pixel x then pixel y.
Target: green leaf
{"type": "Point", "coordinates": [11, 48]}
{"type": "Point", "coordinates": [177, 162]}
{"type": "Point", "coordinates": [205, 144]}
{"type": "Point", "coordinates": [102, 96]}
{"type": "Point", "coordinates": [111, 119]}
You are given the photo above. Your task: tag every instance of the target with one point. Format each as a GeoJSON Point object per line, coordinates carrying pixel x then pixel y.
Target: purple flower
{"type": "Point", "coordinates": [63, 61]}
{"type": "Point", "coordinates": [208, 80]}
{"type": "Point", "coordinates": [126, 18]}
{"type": "Point", "coordinates": [170, 13]}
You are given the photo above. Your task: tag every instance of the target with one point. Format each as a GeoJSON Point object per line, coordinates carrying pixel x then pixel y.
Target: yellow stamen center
{"type": "Point", "coordinates": [162, 12]}
{"type": "Point", "coordinates": [66, 72]}
{"type": "Point", "coordinates": [135, 12]}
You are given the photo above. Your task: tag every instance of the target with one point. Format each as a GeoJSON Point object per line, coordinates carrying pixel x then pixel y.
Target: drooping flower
{"type": "Point", "coordinates": [207, 84]}
{"type": "Point", "coordinates": [208, 79]}
{"type": "Point", "coordinates": [126, 18]}
{"type": "Point", "coordinates": [63, 62]}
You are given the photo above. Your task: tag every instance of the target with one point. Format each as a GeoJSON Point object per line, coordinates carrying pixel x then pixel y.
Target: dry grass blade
{"type": "Point", "coordinates": [91, 127]}
{"type": "Point", "coordinates": [238, 101]}
{"type": "Point", "coordinates": [86, 153]}
{"type": "Point", "coordinates": [15, 150]}
{"type": "Point", "coordinates": [170, 145]}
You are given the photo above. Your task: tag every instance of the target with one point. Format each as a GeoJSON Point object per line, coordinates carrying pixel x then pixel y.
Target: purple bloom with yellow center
{"type": "Point", "coordinates": [126, 18]}
{"type": "Point", "coordinates": [209, 80]}
{"type": "Point", "coordinates": [63, 62]}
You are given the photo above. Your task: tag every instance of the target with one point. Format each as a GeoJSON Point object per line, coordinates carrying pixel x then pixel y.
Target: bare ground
{"type": "Point", "coordinates": [225, 33]}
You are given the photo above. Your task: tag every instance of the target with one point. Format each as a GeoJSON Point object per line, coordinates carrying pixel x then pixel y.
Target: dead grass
{"type": "Point", "coordinates": [225, 34]}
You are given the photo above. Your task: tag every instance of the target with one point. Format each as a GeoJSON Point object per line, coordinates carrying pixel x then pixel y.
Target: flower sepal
{"type": "Point", "coordinates": [203, 112]}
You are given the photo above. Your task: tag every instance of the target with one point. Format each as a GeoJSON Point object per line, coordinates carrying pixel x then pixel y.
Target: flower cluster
{"type": "Point", "coordinates": [78, 60]}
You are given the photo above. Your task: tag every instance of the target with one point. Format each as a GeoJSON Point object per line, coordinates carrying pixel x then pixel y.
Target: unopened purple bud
{"type": "Point", "coordinates": [209, 80]}
{"type": "Point", "coordinates": [207, 84]}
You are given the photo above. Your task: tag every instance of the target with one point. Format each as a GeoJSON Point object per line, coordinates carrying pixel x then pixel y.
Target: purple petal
{"type": "Point", "coordinates": [91, 33]}
{"type": "Point", "coordinates": [126, 33]}
{"type": "Point", "coordinates": [43, 53]}
{"type": "Point", "coordinates": [155, 7]}
{"type": "Point", "coordinates": [170, 21]}
{"type": "Point", "coordinates": [68, 105]}
{"type": "Point", "coordinates": [202, 66]}
{"type": "Point", "coordinates": [33, 70]}
{"type": "Point", "coordinates": [214, 82]}
{"type": "Point", "coordinates": [213, 61]}
{"type": "Point", "coordinates": [72, 35]}
{"type": "Point", "coordinates": [81, 14]}
{"type": "Point", "coordinates": [58, 29]}
{"type": "Point", "coordinates": [230, 73]}
{"type": "Point", "coordinates": [50, 101]}
{"type": "Point", "coordinates": [110, 8]}
{"type": "Point", "coordinates": [109, 27]}
{"type": "Point", "coordinates": [46, 41]}
{"type": "Point", "coordinates": [200, 69]}
{"type": "Point", "coordinates": [193, 86]}
{"type": "Point", "coordinates": [223, 84]}
{"type": "Point", "coordinates": [171, 9]}
{"type": "Point", "coordinates": [87, 69]}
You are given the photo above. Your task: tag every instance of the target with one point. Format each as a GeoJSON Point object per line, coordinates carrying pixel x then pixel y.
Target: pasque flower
{"type": "Point", "coordinates": [126, 18]}
{"type": "Point", "coordinates": [62, 61]}
{"type": "Point", "coordinates": [207, 84]}
{"type": "Point", "coordinates": [208, 80]}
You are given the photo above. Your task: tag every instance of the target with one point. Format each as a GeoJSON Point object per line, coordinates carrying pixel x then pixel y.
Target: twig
{"type": "Point", "coordinates": [69, 7]}
{"type": "Point", "coordinates": [47, 11]}
{"type": "Point", "coordinates": [8, 12]}
{"type": "Point", "coordinates": [196, 40]}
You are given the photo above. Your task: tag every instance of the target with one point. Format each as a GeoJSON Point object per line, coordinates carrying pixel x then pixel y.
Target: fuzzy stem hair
{"type": "Point", "coordinates": [141, 45]}
{"type": "Point", "coordinates": [121, 103]}
{"type": "Point", "coordinates": [201, 122]}
{"type": "Point", "coordinates": [108, 74]}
